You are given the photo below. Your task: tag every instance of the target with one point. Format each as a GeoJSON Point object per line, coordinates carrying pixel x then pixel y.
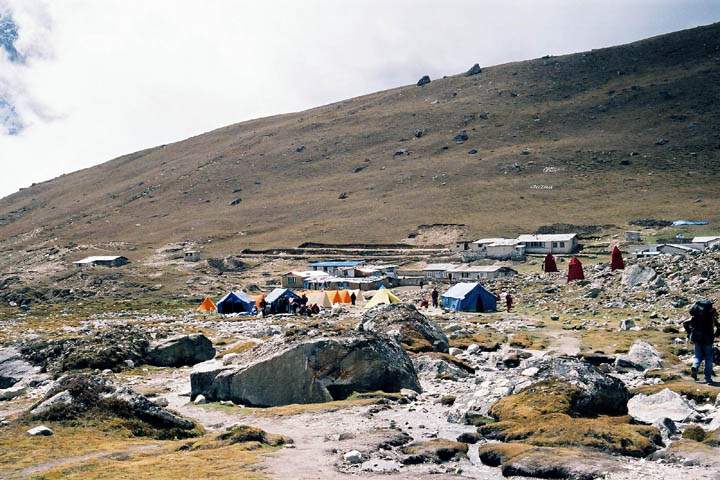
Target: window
{"type": "Point", "coordinates": [555, 244]}
{"type": "Point", "coordinates": [291, 280]}
{"type": "Point", "coordinates": [562, 244]}
{"type": "Point", "coordinates": [464, 274]}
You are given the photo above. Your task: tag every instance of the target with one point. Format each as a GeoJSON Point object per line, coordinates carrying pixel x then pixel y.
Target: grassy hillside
{"type": "Point", "coordinates": [598, 137]}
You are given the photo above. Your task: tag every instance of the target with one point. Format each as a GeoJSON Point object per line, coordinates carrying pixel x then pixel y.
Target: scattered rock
{"type": "Point", "coordinates": [423, 81]}
{"type": "Point", "coordinates": [436, 450]}
{"type": "Point", "coordinates": [627, 324]}
{"type": "Point", "coordinates": [638, 275]}
{"type": "Point", "coordinates": [179, 351]}
{"type": "Point", "coordinates": [461, 137]}
{"type": "Point", "coordinates": [474, 70]}
{"type": "Point", "coordinates": [234, 202]}
{"type": "Point", "coordinates": [354, 457]}
{"type": "Point", "coordinates": [641, 356]}
{"type": "Point", "coordinates": [41, 431]}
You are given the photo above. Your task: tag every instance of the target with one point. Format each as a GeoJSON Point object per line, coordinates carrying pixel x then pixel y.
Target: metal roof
{"type": "Point", "coordinates": [480, 268]}
{"type": "Point", "coordinates": [705, 239]}
{"type": "Point", "coordinates": [99, 259]}
{"type": "Point", "coordinates": [343, 263]}
{"type": "Point", "coordinates": [440, 266]}
{"type": "Point", "coordinates": [555, 237]}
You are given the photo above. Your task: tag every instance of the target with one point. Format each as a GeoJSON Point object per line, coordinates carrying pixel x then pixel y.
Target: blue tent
{"type": "Point", "coordinates": [236, 302]}
{"type": "Point", "coordinates": [469, 297]}
{"type": "Point", "coordinates": [277, 300]}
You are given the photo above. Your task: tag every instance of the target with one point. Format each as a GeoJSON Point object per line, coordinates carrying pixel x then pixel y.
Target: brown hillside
{"type": "Point", "coordinates": [618, 133]}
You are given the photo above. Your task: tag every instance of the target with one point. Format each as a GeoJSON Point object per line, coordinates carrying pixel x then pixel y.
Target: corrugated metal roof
{"type": "Point", "coordinates": [440, 266]}
{"type": "Point", "coordinates": [555, 237]}
{"type": "Point", "coordinates": [99, 259]}
{"type": "Point", "coordinates": [343, 263]}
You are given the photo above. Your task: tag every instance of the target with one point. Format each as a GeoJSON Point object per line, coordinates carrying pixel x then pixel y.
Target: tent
{"type": "Point", "coordinates": [318, 297]}
{"type": "Point", "coordinates": [469, 297]}
{"type": "Point", "coordinates": [344, 296]}
{"type": "Point", "coordinates": [575, 270]}
{"type": "Point", "coordinates": [334, 296]}
{"type": "Point", "coordinates": [616, 262]}
{"type": "Point", "coordinates": [549, 264]}
{"type": "Point", "coordinates": [277, 300]}
{"type": "Point", "coordinates": [236, 302]}
{"type": "Point", "coordinates": [207, 305]}
{"type": "Point", "coordinates": [383, 296]}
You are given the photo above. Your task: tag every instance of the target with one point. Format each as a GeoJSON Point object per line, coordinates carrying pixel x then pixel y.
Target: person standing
{"type": "Point", "coordinates": [702, 328]}
{"type": "Point", "coordinates": [353, 297]}
{"type": "Point", "coordinates": [508, 301]}
{"type": "Point", "coordinates": [435, 294]}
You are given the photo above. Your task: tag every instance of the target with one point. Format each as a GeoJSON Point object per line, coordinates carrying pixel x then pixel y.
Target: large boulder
{"type": "Point", "coordinates": [14, 369]}
{"type": "Point", "coordinates": [597, 393]}
{"type": "Point", "coordinates": [663, 404]}
{"type": "Point", "coordinates": [180, 351]}
{"type": "Point", "coordinates": [307, 371]}
{"type": "Point", "coordinates": [637, 275]}
{"type": "Point", "coordinates": [404, 323]}
{"type": "Point", "coordinates": [641, 356]}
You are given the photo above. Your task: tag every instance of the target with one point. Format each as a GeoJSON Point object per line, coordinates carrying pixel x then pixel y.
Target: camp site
{"type": "Point", "coordinates": [360, 240]}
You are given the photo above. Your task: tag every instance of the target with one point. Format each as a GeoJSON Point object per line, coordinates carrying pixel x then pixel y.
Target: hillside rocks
{"type": "Point", "coordinates": [641, 356]}
{"type": "Point", "coordinates": [408, 326]}
{"type": "Point", "coordinates": [180, 351]}
{"type": "Point", "coordinates": [664, 404]}
{"type": "Point", "coordinates": [307, 371]}
{"type": "Point", "coordinates": [76, 396]}
{"type": "Point", "coordinates": [103, 349]}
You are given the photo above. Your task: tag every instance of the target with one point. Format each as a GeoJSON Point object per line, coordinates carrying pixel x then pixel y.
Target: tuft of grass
{"type": "Point", "coordinates": [532, 341]}
{"type": "Point", "coordinates": [699, 392]}
{"type": "Point", "coordinates": [237, 348]}
{"type": "Point", "coordinates": [488, 339]}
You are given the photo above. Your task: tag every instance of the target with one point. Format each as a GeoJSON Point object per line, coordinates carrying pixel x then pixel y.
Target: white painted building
{"type": "Point", "coordinates": [479, 272]}
{"type": "Point", "coordinates": [438, 271]}
{"type": "Point", "coordinates": [707, 242]}
{"type": "Point", "coordinates": [549, 243]}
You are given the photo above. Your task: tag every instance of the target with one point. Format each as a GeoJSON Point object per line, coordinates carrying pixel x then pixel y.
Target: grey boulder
{"type": "Point", "coordinates": [641, 356]}
{"type": "Point", "coordinates": [14, 369]}
{"type": "Point", "coordinates": [637, 275]}
{"type": "Point", "coordinates": [405, 324]}
{"type": "Point", "coordinates": [180, 351]}
{"type": "Point", "coordinates": [307, 371]}
{"type": "Point", "coordinates": [599, 394]}
{"type": "Point", "coordinates": [663, 404]}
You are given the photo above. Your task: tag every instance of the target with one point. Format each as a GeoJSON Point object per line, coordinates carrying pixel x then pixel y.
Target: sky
{"type": "Point", "coordinates": [84, 81]}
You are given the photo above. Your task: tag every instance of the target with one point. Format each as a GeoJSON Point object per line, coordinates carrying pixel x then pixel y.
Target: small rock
{"type": "Point", "coordinates": [474, 70]}
{"type": "Point", "coordinates": [200, 400]}
{"type": "Point", "coordinates": [354, 457]}
{"type": "Point", "coordinates": [423, 81]}
{"type": "Point", "coordinates": [234, 202]}
{"type": "Point", "coordinates": [664, 404]}
{"type": "Point", "coordinates": [627, 324]}
{"type": "Point", "coordinates": [469, 437]}
{"type": "Point", "coordinates": [41, 430]}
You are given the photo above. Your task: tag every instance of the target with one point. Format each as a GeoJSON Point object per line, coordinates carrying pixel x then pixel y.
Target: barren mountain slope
{"type": "Point", "coordinates": [598, 137]}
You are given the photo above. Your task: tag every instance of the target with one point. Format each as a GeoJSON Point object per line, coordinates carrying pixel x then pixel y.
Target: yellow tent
{"type": "Point", "coordinates": [383, 296]}
{"type": "Point", "coordinates": [207, 305]}
{"type": "Point", "coordinates": [320, 298]}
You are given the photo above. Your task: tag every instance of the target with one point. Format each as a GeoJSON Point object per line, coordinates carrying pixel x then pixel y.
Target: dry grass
{"type": "Point", "coordinates": [355, 400]}
{"type": "Point", "coordinates": [699, 392]}
{"type": "Point", "coordinates": [532, 341]}
{"type": "Point", "coordinates": [488, 339]}
{"type": "Point", "coordinates": [237, 348]}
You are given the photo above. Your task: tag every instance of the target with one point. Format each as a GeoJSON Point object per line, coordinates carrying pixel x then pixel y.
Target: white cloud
{"type": "Point", "coordinates": [107, 78]}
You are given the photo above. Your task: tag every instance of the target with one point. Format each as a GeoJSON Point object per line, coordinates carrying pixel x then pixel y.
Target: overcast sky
{"type": "Point", "coordinates": [84, 81]}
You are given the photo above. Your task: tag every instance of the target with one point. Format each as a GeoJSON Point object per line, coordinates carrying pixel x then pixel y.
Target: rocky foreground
{"type": "Point", "coordinates": [589, 380]}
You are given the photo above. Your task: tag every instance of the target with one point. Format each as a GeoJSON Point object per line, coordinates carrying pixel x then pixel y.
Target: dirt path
{"type": "Point", "coordinates": [564, 342]}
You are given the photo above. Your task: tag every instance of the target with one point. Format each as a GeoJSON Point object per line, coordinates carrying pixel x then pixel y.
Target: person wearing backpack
{"type": "Point", "coordinates": [702, 329]}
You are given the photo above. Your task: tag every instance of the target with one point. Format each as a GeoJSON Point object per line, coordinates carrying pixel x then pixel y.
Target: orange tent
{"type": "Point", "coordinates": [345, 296]}
{"type": "Point", "coordinates": [207, 305]}
{"type": "Point", "coordinates": [334, 296]}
